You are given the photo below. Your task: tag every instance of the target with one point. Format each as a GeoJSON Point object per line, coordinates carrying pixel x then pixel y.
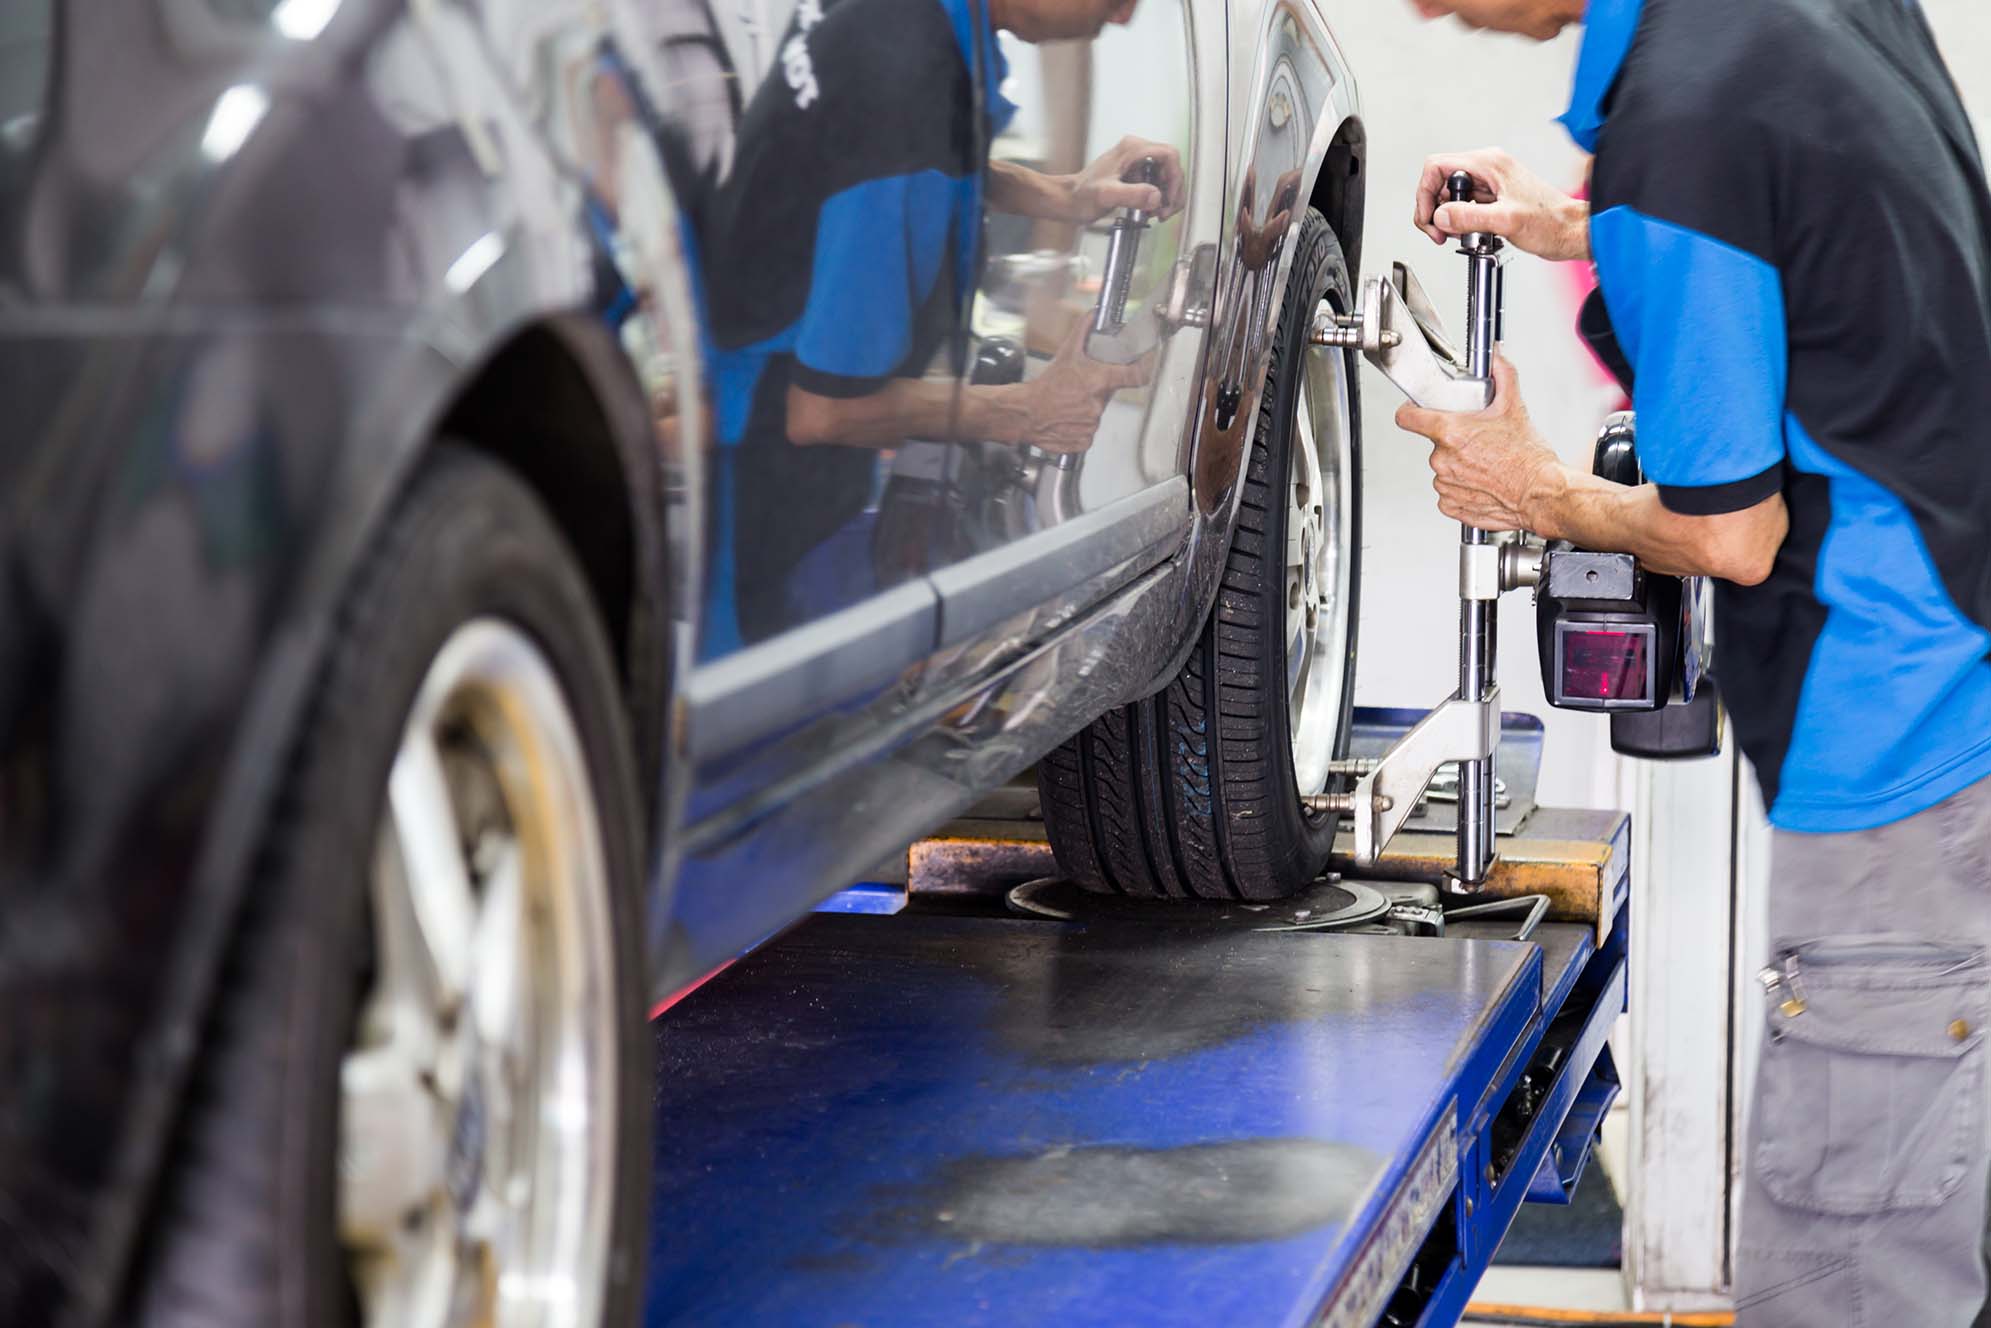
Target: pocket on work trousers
{"type": "Point", "coordinates": [1871, 1090]}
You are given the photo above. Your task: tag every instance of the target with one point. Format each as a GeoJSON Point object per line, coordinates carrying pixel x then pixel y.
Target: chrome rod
{"type": "Point", "coordinates": [1476, 778]}
{"type": "Point", "coordinates": [1477, 624]}
{"type": "Point", "coordinates": [1482, 305]}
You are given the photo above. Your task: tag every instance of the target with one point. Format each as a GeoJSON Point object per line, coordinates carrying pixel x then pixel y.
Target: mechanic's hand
{"type": "Point", "coordinates": [1103, 186]}
{"type": "Point", "coordinates": [1509, 201]}
{"type": "Point", "coordinates": [1064, 403]}
{"type": "Point", "coordinates": [1491, 468]}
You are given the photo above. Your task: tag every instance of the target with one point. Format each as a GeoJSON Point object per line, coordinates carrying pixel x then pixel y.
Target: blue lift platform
{"type": "Point", "coordinates": [947, 1115]}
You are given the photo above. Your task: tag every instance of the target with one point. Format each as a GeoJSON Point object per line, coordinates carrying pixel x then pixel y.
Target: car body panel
{"type": "Point", "coordinates": [199, 472]}
{"type": "Point", "coordinates": [841, 794]}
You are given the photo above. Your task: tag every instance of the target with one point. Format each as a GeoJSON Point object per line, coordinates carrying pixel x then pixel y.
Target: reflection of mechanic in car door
{"type": "Point", "coordinates": [1059, 409]}
{"type": "Point", "coordinates": [841, 252]}
{"type": "Point", "coordinates": [1792, 234]}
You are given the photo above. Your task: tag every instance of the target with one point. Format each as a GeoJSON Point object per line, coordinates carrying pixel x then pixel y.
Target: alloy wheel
{"type": "Point", "coordinates": [477, 1128]}
{"type": "Point", "coordinates": [1319, 503]}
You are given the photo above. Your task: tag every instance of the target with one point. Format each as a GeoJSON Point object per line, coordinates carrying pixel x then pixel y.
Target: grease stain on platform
{"type": "Point", "coordinates": [1106, 996]}
{"type": "Point", "coordinates": [1236, 1192]}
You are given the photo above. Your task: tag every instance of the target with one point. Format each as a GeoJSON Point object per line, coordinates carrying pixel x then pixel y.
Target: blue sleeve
{"type": "Point", "coordinates": [879, 248]}
{"type": "Point", "coordinates": [1702, 325]}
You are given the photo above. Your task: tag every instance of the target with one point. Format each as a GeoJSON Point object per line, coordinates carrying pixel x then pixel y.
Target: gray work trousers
{"type": "Point", "coordinates": [1864, 1199]}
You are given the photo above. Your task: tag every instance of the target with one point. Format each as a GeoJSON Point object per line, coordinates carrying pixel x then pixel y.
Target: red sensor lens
{"type": "Point", "coordinates": [1605, 666]}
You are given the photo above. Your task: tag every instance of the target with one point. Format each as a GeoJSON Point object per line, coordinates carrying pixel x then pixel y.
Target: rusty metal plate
{"type": "Point", "coordinates": [979, 858]}
{"type": "Point", "coordinates": [1580, 859]}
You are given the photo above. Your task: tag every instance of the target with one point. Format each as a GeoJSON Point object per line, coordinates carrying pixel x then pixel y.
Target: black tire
{"type": "Point", "coordinates": [1191, 792]}
{"type": "Point", "coordinates": [245, 1232]}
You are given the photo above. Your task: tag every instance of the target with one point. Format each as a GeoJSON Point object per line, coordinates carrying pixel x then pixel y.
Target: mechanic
{"type": "Point", "coordinates": [840, 255]}
{"type": "Point", "coordinates": [1792, 235]}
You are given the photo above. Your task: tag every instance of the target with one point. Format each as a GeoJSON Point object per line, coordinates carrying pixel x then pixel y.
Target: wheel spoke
{"type": "Point", "coordinates": [1305, 421]}
{"type": "Point", "coordinates": [496, 986]}
{"type": "Point", "coordinates": [501, 1013]}
{"type": "Point", "coordinates": [1298, 548]}
{"type": "Point", "coordinates": [415, 1279]}
{"type": "Point", "coordinates": [437, 911]}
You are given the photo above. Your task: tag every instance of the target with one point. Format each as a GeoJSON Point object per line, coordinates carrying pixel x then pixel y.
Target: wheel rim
{"type": "Point", "coordinates": [1319, 563]}
{"type": "Point", "coordinates": [477, 1120]}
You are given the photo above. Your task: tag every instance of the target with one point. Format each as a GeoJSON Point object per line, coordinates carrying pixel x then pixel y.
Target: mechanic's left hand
{"type": "Point", "coordinates": [1063, 405]}
{"type": "Point", "coordinates": [1491, 468]}
{"type": "Point", "coordinates": [1103, 186]}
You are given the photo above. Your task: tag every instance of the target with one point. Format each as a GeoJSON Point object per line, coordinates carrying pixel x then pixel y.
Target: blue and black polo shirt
{"type": "Point", "coordinates": [1793, 242]}
{"type": "Point", "coordinates": [839, 252]}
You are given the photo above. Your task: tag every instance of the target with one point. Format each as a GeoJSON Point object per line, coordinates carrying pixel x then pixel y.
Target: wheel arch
{"type": "Point", "coordinates": [1339, 188]}
{"type": "Point", "coordinates": [537, 404]}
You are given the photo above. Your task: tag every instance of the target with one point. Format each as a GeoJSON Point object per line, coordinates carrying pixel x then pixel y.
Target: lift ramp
{"type": "Point", "coordinates": [933, 1118]}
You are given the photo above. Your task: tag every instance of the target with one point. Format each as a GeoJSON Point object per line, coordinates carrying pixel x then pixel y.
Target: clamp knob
{"type": "Point", "coordinates": [1459, 189]}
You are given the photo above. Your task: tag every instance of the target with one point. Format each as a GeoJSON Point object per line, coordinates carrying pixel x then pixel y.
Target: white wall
{"type": "Point", "coordinates": [1963, 27]}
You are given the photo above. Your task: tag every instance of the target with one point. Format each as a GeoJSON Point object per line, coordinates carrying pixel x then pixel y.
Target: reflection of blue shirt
{"type": "Point", "coordinates": [1790, 230]}
{"type": "Point", "coordinates": [842, 251]}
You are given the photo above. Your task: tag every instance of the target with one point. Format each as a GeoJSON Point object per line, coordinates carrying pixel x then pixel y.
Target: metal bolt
{"type": "Point", "coordinates": [1345, 333]}
{"type": "Point", "coordinates": [1343, 804]}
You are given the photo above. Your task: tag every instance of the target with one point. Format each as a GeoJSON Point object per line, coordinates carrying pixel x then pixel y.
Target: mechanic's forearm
{"type": "Point", "coordinates": [1594, 513]}
{"type": "Point", "coordinates": [906, 408]}
{"type": "Point", "coordinates": [903, 408]}
{"type": "Point", "coordinates": [1022, 192]}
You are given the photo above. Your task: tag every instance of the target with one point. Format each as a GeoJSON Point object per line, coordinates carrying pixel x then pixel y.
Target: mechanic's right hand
{"type": "Point", "coordinates": [1508, 200]}
{"type": "Point", "coordinates": [1103, 187]}
{"type": "Point", "coordinates": [1064, 403]}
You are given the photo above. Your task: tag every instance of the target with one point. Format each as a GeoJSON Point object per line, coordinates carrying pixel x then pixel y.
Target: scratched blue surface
{"type": "Point", "coordinates": [835, 1109]}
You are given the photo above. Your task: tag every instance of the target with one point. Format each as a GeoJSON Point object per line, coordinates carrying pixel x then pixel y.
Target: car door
{"type": "Point", "coordinates": [1016, 535]}
{"type": "Point", "coordinates": [834, 254]}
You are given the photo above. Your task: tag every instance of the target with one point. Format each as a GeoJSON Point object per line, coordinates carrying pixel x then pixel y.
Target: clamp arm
{"type": "Point", "coordinates": [1399, 332]}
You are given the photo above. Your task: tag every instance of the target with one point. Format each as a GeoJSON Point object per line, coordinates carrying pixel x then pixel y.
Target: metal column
{"type": "Point", "coordinates": [1478, 635]}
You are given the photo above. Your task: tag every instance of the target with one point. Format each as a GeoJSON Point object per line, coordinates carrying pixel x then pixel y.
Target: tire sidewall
{"type": "Point", "coordinates": [1319, 271]}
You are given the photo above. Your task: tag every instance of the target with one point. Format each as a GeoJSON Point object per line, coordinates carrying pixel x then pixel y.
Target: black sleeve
{"type": "Point", "coordinates": [1719, 499]}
